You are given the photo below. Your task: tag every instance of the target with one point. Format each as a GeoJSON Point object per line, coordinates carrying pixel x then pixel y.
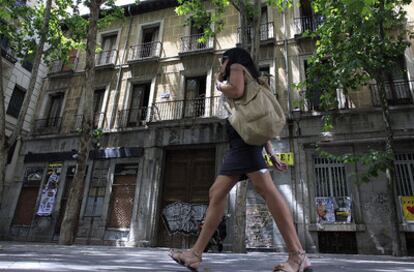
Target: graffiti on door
{"type": "Point", "coordinates": [181, 217]}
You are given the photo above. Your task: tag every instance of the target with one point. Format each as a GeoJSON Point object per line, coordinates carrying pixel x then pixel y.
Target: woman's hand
{"type": "Point", "coordinates": [278, 164]}
{"type": "Point", "coordinates": [219, 76]}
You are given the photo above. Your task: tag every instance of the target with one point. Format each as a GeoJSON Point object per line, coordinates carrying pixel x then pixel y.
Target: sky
{"type": "Point", "coordinates": [84, 10]}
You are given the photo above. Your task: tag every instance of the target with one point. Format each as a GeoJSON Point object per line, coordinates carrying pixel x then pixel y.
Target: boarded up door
{"type": "Point", "coordinates": [189, 173]}
{"type": "Point", "coordinates": [28, 196]}
{"type": "Point", "coordinates": [122, 197]}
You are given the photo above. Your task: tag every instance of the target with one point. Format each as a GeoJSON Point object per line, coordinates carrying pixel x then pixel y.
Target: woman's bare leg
{"type": "Point", "coordinates": [279, 209]}
{"type": "Point", "coordinates": [217, 194]}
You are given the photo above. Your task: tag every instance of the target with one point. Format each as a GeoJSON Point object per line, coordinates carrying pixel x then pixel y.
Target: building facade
{"type": "Point", "coordinates": [16, 77]}
{"type": "Point", "coordinates": [162, 143]}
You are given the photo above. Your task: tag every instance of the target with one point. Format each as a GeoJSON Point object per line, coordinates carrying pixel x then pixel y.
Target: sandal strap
{"type": "Point", "coordinates": [198, 255]}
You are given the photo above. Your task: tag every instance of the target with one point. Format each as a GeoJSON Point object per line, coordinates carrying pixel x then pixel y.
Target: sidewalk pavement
{"type": "Point", "coordinates": [51, 257]}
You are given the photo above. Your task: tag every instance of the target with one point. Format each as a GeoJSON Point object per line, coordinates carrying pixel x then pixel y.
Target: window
{"type": "Point", "coordinates": [404, 170]}
{"type": "Point", "coordinates": [332, 195]}
{"type": "Point", "coordinates": [195, 94]}
{"type": "Point", "coordinates": [138, 104]}
{"type": "Point", "coordinates": [266, 28]}
{"type": "Point", "coordinates": [108, 45]}
{"type": "Point", "coordinates": [149, 39]}
{"type": "Point", "coordinates": [97, 107]}
{"type": "Point", "coordinates": [330, 178]}
{"type": "Point", "coordinates": [55, 107]}
{"type": "Point", "coordinates": [16, 101]}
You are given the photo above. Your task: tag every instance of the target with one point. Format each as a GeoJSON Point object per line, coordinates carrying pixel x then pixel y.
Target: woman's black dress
{"type": "Point", "coordinates": [241, 158]}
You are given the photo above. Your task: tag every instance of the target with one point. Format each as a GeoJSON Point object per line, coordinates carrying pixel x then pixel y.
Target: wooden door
{"type": "Point", "coordinates": [189, 173]}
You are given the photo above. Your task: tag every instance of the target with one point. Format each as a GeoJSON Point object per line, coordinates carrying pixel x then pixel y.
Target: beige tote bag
{"type": "Point", "coordinates": [257, 116]}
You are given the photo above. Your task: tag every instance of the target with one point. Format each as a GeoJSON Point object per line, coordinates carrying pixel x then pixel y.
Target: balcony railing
{"type": "Point", "coordinates": [6, 51]}
{"type": "Point", "coordinates": [106, 57]}
{"type": "Point", "coordinates": [400, 92]}
{"type": "Point", "coordinates": [307, 23]}
{"type": "Point", "coordinates": [47, 126]}
{"type": "Point", "coordinates": [145, 51]}
{"type": "Point", "coordinates": [179, 109]}
{"type": "Point", "coordinates": [266, 32]}
{"type": "Point", "coordinates": [192, 44]}
{"type": "Point", "coordinates": [99, 121]}
{"type": "Point", "coordinates": [133, 117]}
{"type": "Point", "coordinates": [60, 66]}
{"type": "Point", "coordinates": [343, 102]}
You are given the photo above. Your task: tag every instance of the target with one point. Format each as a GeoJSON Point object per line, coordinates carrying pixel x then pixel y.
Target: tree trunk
{"type": "Point", "coordinates": [255, 31]}
{"type": "Point", "coordinates": [239, 244]}
{"type": "Point", "coordinates": [390, 172]}
{"type": "Point", "coordinates": [35, 71]}
{"type": "Point", "coordinates": [71, 218]}
{"type": "Point", "coordinates": [389, 149]}
{"type": "Point", "coordinates": [3, 150]}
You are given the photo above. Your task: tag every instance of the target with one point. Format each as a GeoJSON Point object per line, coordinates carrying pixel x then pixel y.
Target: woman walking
{"type": "Point", "coordinates": [243, 159]}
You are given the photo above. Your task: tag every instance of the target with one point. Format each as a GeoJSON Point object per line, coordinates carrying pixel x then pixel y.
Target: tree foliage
{"type": "Point", "coordinates": [350, 48]}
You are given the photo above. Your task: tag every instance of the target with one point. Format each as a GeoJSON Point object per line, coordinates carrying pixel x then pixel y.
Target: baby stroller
{"type": "Point", "coordinates": [218, 236]}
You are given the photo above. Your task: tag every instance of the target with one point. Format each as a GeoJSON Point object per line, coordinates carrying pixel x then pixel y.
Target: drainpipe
{"type": "Point", "coordinates": [120, 68]}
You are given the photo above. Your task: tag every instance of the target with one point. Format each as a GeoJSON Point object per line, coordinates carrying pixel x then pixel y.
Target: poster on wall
{"type": "Point", "coordinates": [325, 210]}
{"type": "Point", "coordinates": [49, 190]}
{"type": "Point", "coordinates": [407, 205]}
{"type": "Point", "coordinates": [343, 209]}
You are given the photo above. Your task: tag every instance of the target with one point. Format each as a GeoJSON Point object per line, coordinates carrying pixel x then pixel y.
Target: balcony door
{"type": "Point", "coordinates": [195, 96]}
{"type": "Point", "coordinates": [138, 105]}
{"type": "Point", "coordinates": [98, 113]}
{"type": "Point", "coordinates": [196, 32]}
{"type": "Point", "coordinates": [55, 107]}
{"type": "Point", "coordinates": [108, 49]}
{"type": "Point", "coordinates": [307, 16]}
{"type": "Point", "coordinates": [149, 39]}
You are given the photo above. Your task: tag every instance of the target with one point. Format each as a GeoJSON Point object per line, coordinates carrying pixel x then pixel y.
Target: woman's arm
{"type": "Point", "coordinates": [234, 88]}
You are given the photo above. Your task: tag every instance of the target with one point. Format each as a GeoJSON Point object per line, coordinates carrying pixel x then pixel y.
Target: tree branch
{"type": "Point", "coordinates": [236, 4]}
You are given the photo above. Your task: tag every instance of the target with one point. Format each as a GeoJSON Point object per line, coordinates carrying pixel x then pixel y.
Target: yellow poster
{"type": "Point", "coordinates": [286, 158]}
{"type": "Point", "coordinates": [407, 203]}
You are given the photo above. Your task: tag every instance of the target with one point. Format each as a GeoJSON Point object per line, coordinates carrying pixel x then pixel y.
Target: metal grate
{"type": "Point", "coordinates": [122, 201]}
{"type": "Point", "coordinates": [330, 178]}
{"type": "Point", "coordinates": [404, 170]}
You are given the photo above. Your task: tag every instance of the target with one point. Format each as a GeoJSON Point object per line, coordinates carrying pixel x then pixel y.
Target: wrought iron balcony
{"type": "Point", "coordinates": [106, 57]}
{"type": "Point", "coordinates": [307, 23]}
{"type": "Point", "coordinates": [266, 32]}
{"type": "Point", "coordinates": [143, 51]}
{"type": "Point", "coordinates": [189, 108]}
{"type": "Point", "coordinates": [47, 126]}
{"type": "Point", "coordinates": [399, 92]}
{"type": "Point", "coordinates": [99, 121]}
{"type": "Point", "coordinates": [305, 103]}
{"type": "Point", "coordinates": [132, 117]}
{"type": "Point", "coordinates": [192, 43]}
{"type": "Point", "coordinates": [60, 66]}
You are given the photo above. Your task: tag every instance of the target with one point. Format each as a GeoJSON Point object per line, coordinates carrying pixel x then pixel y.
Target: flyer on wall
{"type": "Point", "coordinates": [49, 190]}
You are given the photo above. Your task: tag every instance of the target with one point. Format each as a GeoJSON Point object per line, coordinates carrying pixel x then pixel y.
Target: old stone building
{"type": "Point", "coordinates": [156, 104]}
{"type": "Point", "coordinates": [16, 77]}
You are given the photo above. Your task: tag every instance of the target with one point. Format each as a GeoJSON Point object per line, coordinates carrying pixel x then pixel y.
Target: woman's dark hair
{"type": "Point", "coordinates": [240, 56]}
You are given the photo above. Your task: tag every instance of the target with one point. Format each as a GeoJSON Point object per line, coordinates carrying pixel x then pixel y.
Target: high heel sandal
{"type": "Point", "coordinates": [192, 262]}
{"type": "Point", "coordinates": [286, 267]}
